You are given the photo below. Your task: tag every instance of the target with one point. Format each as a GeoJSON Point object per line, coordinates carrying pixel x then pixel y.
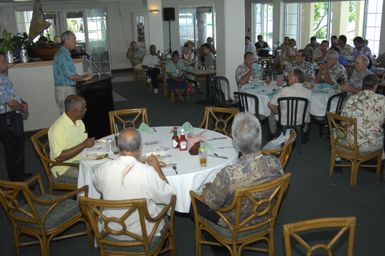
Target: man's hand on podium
{"type": "Point", "coordinates": [87, 76]}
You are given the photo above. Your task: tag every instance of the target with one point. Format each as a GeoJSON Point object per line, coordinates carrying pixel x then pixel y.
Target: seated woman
{"type": "Point", "coordinates": [332, 72]}
{"type": "Point", "coordinates": [245, 74]}
{"type": "Point", "coordinates": [176, 77]}
{"type": "Point", "coordinates": [360, 71]}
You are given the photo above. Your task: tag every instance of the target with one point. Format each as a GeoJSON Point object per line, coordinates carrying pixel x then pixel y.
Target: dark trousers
{"type": "Point", "coordinates": [153, 74]}
{"type": "Point", "coordinates": [12, 137]}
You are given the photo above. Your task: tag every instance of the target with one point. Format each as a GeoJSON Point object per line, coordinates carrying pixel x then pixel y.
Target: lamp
{"type": "Point", "coordinates": [154, 10]}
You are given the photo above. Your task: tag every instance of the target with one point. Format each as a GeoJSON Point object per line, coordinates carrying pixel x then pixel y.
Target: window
{"type": "Point", "coordinates": [262, 18]}
{"type": "Point", "coordinates": [372, 28]}
{"type": "Point", "coordinates": [23, 21]}
{"type": "Point", "coordinates": [195, 24]}
{"type": "Point", "coordinates": [292, 24]}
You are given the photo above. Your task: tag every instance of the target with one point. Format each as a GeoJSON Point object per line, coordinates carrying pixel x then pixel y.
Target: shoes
{"type": "Point", "coordinates": [148, 80]}
{"type": "Point", "coordinates": [156, 91]}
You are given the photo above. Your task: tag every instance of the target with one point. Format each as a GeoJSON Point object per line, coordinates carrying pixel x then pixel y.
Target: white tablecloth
{"type": "Point", "coordinates": [319, 98]}
{"type": "Point", "coordinates": [190, 175]}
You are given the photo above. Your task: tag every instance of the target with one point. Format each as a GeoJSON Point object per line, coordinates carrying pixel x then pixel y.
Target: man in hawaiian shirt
{"type": "Point", "coordinates": [360, 48]}
{"type": "Point", "coordinates": [368, 108]}
{"type": "Point", "coordinates": [332, 72]}
{"type": "Point", "coordinates": [245, 74]}
{"type": "Point", "coordinates": [345, 49]}
{"type": "Point", "coordinates": [300, 63]}
{"type": "Point", "coordinates": [252, 168]}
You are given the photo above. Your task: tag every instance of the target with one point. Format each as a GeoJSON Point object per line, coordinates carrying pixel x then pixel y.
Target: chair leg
{"type": "Point", "coordinates": [354, 174]}
{"type": "Point", "coordinates": [44, 246]}
{"type": "Point", "coordinates": [271, 243]}
{"type": "Point", "coordinates": [332, 163]}
{"type": "Point", "coordinates": [299, 139]}
{"type": "Point", "coordinates": [379, 165]}
{"type": "Point", "coordinates": [198, 237]}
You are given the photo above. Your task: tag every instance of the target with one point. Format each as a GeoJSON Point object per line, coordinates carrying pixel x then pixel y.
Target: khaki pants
{"type": "Point", "coordinates": [61, 93]}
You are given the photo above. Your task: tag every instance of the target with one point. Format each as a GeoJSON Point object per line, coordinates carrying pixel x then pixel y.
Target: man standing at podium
{"type": "Point", "coordinates": [64, 72]}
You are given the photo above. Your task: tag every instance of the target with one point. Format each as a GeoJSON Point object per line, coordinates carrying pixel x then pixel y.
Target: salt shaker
{"type": "Point", "coordinates": [109, 145]}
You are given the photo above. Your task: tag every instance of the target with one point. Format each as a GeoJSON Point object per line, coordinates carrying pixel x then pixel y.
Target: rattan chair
{"type": "Point", "coordinates": [339, 227]}
{"type": "Point", "coordinates": [129, 243]}
{"type": "Point", "coordinates": [346, 147]}
{"type": "Point", "coordinates": [284, 152]}
{"type": "Point", "coordinates": [238, 234]}
{"type": "Point", "coordinates": [43, 216]}
{"type": "Point", "coordinates": [219, 119]}
{"type": "Point", "coordinates": [124, 118]}
{"type": "Point", "coordinates": [41, 145]}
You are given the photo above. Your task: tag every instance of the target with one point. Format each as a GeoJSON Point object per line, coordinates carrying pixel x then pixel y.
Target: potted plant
{"type": "Point", "coordinates": [7, 46]}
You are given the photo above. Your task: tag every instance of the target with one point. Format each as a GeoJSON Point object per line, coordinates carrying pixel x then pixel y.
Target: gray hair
{"type": "Point", "coordinates": [333, 54]}
{"type": "Point", "coordinates": [129, 144]}
{"type": "Point", "coordinates": [364, 59]}
{"type": "Point", "coordinates": [247, 133]}
{"type": "Point", "coordinates": [66, 35]}
{"type": "Point", "coordinates": [72, 102]}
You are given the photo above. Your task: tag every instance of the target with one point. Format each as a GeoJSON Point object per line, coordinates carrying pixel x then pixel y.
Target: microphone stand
{"type": "Point", "coordinates": [92, 63]}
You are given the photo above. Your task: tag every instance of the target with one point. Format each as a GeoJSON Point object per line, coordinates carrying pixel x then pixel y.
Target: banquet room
{"type": "Point", "coordinates": [176, 75]}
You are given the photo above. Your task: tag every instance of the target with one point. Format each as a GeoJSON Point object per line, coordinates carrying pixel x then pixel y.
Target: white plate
{"type": "Point", "coordinates": [96, 155]}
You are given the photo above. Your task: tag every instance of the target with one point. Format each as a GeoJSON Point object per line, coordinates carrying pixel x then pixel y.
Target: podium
{"type": "Point", "coordinates": [98, 95]}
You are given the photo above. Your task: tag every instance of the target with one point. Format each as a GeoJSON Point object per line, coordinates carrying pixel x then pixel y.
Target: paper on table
{"type": "Point", "coordinates": [143, 127]}
{"type": "Point", "coordinates": [276, 143]}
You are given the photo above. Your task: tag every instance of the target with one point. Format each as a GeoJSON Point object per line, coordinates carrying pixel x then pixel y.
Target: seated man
{"type": "Point", "coordinates": [345, 49]}
{"type": "Point", "coordinates": [332, 72]}
{"type": "Point", "coordinates": [368, 108]}
{"type": "Point", "coordinates": [67, 137]}
{"type": "Point", "coordinates": [176, 77]}
{"type": "Point", "coordinates": [295, 79]}
{"type": "Point", "coordinates": [252, 168]}
{"type": "Point", "coordinates": [127, 178]}
{"type": "Point", "coordinates": [360, 71]}
{"type": "Point", "coordinates": [134, 54]}
{"type": "Point", "coordinates": [260, 46]}
{"type": "Point", "coordinates": [209, 56]}
{"type": "Point", "coordinates": [360, 48]}
{"type": "Point", "coordinates": [151, 63]}
{"type": "Point", "coordinates": [300, 63]}
{"type": "Point", "coordinates": [312, 46]}
{"type": "Point", "coordinates": [245, 74]}
{"type": "Point", "coordinates": [320, 54]}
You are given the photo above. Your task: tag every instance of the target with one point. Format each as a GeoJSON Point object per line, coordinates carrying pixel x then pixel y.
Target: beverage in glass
{"type": "Point", "coordinates": [202, 156]}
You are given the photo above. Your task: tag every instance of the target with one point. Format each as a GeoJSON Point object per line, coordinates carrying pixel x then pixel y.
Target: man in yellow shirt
{"type": "Point", "coordinates": [67, 136]}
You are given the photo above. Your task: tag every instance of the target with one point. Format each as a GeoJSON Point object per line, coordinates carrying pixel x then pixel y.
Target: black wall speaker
{"type": "Point", "coordinates": [168, 14]}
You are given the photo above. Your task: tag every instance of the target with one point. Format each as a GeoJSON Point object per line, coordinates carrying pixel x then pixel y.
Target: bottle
{"type": "Point", "coordinates": [23, 55]}
{"type": "Point", "coordinates": [175, 138]}
{"type": "Point", "coordinates": [182, 141]}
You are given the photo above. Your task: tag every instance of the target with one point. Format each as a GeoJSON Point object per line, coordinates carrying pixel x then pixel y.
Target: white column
{"type": "Point", "coordinates": [382, 35]}
{"type": "Point", "coordinates": [307, 20]}
{"type": "Point", "coordinates": [230, 38]}
{"type": "Point", "coordinates": [154, 28]}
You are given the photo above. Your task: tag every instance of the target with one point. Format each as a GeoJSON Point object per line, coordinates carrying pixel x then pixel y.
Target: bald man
{"type": "Point", "coordinates": [127, 178]}
{"type": "Point", "coordinates": [68, 137]}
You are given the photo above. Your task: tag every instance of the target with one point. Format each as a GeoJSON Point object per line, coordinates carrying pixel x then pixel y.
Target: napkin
{"type": "Point", "coordinates": [277, 142]}
{"type": "Point", "coordinates": [188, 128]}
{"type": "Point", "coordinates": [145, 128]}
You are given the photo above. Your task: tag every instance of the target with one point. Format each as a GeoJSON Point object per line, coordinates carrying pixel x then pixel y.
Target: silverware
{"type": "Point", "coordinates": [153, 129]}
{"type": "Point", "coordinates": [174, 168]}
{"type": "Point", "coordinates": [218, 138]}
{"type": "Point", "coordinates": [225, 147]}
{"type": "Point", "coordinates": [151, 142]}
{"type": "Point", "coordinates": [218, 156]}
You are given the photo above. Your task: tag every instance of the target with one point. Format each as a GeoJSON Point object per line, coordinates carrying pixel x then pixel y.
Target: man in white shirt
{"type": "Point", "coordinates": [151, 64]}
{"type": "Point", "coordinates": [127, 178]}
{"type": "Point", "coordinates": [296, 78]}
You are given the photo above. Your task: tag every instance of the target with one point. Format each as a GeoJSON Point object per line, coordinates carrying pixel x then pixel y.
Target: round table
{"type": "Point", "coordinates": [319, 98]}
{"type": "Point", "coordinates": [191, 176]}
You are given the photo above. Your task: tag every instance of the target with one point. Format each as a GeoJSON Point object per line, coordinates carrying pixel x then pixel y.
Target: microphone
{"type": "Point", "coordinates": [92, 63]}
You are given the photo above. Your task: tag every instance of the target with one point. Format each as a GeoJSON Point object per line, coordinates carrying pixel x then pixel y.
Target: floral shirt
{"type": "Point", "coordinates": [250, 170]}
{"type": "Point", "coordinates": [364, 50]}
{"type": "Point", "coordinates": [338, 73]}
{"type": "Point", "coordinates": [135, 55]}
{"type": "Point", "coordinates": [306, 67]}
{"type": "Point", "coordinates": [7, 93]}
{"type": "Point", "coordinates": [356, 78]}
{"type": "Point", "coordinates": [369, 109]}
{"type": "Point", "coordinates": [347, 50]}
{"type": "Point", "coordinates": [242, 70]}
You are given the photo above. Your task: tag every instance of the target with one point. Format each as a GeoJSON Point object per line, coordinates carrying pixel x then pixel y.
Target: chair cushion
{"type": "Point", "coordinates": [154, 243]}
{"type": "Point", "coordinates": [66, 179]}
{"type": "Point", "coordinates": [63, 212]}
{"type": "Point", "coordinates": [227, 234]}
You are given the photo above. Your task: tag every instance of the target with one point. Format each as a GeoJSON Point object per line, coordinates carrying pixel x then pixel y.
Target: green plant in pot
{"type": "Point", "coordinates": [7, 46]}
